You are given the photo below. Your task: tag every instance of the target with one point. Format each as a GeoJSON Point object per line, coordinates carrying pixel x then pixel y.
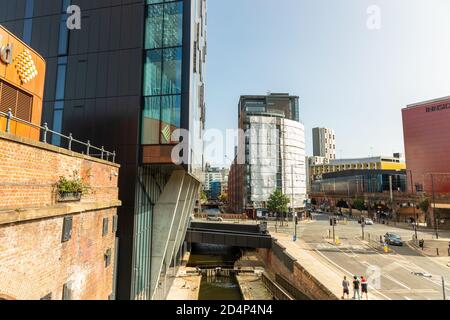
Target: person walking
{"type": "Point", "coordinates": [364, 288]}
{"type": "Point", "coordinates": [356, 285]}
{"type": "Point", "coordinates": [345, 288]}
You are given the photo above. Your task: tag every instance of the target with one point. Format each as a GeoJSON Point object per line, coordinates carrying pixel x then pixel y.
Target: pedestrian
{"type": "Point", "coordinates": [346, 288]}
{"type": "Point", "coordinates": [364, 287]}
{"type": "Point", "coordinates": [356, 291]}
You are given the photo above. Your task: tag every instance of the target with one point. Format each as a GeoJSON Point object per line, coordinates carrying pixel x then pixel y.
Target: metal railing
{"type": "Point", "coordinates": [90, 149]}
{"type": "Point", "coordinates": [276, 290]}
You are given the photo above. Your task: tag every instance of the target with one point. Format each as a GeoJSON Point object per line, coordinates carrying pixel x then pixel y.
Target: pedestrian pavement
{"type": "Point", "coordinates": [321, 268]}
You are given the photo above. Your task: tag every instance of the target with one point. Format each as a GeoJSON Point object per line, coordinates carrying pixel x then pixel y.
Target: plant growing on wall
{"type": "Point", "coordinates": [74, 186]}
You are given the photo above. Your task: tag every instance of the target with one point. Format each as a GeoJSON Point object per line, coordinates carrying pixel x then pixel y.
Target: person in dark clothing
{"type": "Point", "coordinates": [364, 287]}
{"type": "Point", "coordinates": [356, 285]}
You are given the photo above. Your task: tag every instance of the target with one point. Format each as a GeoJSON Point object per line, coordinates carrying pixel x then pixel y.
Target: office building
{"type": "Point", "coordinates": [127, 79]}
{"type": "Point", "coordinates": [218, 177]}
{"type": "Point", "coordinates": [372, 163]}
{"type": "Point", "coordinates": [427, 149]}
{"type": "Point", "coordinates": [271, 155]}
{"type": "Point", "coordinates": [324, 143]}
{"type": "Point", "coordinates": [427, 146]}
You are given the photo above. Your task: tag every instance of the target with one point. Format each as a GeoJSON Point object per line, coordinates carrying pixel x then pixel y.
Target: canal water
{"type": "Point", "coordinates": [216, 287]}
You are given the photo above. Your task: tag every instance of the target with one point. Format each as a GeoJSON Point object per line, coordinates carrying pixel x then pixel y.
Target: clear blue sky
{"type": "Point", "coordinates": [348, 77]}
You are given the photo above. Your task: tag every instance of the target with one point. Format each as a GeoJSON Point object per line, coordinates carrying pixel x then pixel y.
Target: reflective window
{"type": "Point", "coordinates": [173, 24]}
{"type": "Point", "coordinates": [171, 78]}
{"type": "Point", "coordinates": [60, 82]}
{"type": "Point", "coordinates": [28, 22]}
{"type": "Point", "coordinates": [63, 37]}
{"type": "Point", "coordinates": [154, 27]}
{"type": "Point", "coordinates": [152, 73]}
{"type": "Point", "coordinates": [162, 71]}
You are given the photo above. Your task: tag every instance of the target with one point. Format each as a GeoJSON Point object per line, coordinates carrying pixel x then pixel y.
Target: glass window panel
{"type": "Point", "coordinates": [63, 37]}
{"type": "Point", "coordinates": [60, 82]}
{"type": "Point", "coordinates": [154, 27]}
{"type": "Point", "coordinates": [152, 73]}
{"type": "Point", "coordinates": [171, 77]}
{"type": "Point", "coordinates": [170, 116]}
{"type": "Point", "coordinates": [173, 24]}
{"type": "Point", "coordinates": [27, 31]}
{"type": "Point", "coordinates": [57, 124]}
{"type": "Point", "coordinates": [151, 123]}
{"type": "Point", "coordinates": [29, 8]}
{"type": "Point", "coordinates": [65, 5]}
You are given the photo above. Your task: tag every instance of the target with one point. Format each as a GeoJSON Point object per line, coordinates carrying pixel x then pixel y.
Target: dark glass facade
{"type": "Point", "coordinates": [124, 80]}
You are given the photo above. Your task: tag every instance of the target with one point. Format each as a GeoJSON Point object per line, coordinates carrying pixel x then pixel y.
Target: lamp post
{"type": "Point", "coordinates": [436, 221]}
{"type": "Point", "coordinates": [416, 216]}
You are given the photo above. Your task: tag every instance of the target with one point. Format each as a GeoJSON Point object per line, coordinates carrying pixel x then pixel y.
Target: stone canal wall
{"type": "Point", "coordinates": [292, 276]}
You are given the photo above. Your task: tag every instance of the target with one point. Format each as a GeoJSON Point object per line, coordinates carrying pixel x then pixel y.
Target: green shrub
{"type": "Point", "coordinates": [76, 185]}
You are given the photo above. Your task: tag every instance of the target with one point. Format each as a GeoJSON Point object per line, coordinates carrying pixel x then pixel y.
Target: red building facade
{"type": "Point", "coordinates": [426, 127]}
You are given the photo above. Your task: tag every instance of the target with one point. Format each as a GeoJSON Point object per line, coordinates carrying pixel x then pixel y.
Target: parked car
{"type": "Point", "coordinates": [214, 218]}
{"type": "Point", "coordinates": [393, 239]}
{"type": "Point", "coordinates": [368, 222]}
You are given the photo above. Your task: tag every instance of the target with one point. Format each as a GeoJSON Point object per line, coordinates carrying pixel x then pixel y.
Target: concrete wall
{"type": "Point", "coordinates": [34, 261]}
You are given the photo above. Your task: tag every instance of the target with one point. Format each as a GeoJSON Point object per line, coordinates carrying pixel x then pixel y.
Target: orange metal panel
{"type": "Point", "coordinates": [26, 73]}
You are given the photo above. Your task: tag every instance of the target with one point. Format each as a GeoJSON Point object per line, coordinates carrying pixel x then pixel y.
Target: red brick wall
{"type": "Point", "coordinates": [28, 175]}
{"type": "Point", "coordinates": [34, 262]}
{"type": "Point", "coordinates": [33, 259]}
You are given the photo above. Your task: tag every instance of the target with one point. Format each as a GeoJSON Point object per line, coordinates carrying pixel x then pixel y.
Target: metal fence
{"type": "Point", "coordinates": [89, 149]}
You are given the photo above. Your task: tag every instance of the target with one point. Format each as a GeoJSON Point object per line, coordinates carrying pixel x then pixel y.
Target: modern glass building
{"type": "Point", "coordinates": [128, 79]}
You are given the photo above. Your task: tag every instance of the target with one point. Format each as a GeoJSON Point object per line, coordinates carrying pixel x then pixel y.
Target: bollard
{"type": "Point", "coordinates": [437, 252]}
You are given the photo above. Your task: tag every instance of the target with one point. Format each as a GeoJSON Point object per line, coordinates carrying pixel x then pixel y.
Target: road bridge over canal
{"type": "Point", "coordinates": [229, 234]}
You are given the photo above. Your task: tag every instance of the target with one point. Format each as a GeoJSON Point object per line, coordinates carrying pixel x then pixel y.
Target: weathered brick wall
{"type": "Point", "coordinates": [299, 278]}
{"type": "Point", "coordinates": [29, 172]}
{"type": "Point", "coordinates": [34, 262]}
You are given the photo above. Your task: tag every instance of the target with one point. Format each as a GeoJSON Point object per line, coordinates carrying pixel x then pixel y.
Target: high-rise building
{"type": "Point", "coordinates": [218, 176]}
{"type": "Point", "coordinates": [427, 147]}
{"type": "Point", "coordinates": [271, 155]}
{"type": "Point", "coordinates": [127, 79]}
{"type": "Point", "coordinates": [324, 143]}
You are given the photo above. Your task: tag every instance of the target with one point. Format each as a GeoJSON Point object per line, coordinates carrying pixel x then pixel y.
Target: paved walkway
{"type": "Point", "coordinates": [185, 286]}
{"type": "Point", "coordinates": [324, 270]}
{"type": "Point", "coordinates": [252, 287]}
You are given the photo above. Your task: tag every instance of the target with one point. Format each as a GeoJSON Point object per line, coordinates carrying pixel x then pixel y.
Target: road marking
{"type": "Point", "coordinates": [396, 281]}
{"type": "Point", "coordinates": [348, 273]}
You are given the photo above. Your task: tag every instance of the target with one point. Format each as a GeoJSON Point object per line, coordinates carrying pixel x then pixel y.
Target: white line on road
{"type": "Point", "coordinates": [347, 272]}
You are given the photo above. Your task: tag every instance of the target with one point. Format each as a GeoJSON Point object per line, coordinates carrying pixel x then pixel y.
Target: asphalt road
{"type": "Point", "coordinates": [396, 280]}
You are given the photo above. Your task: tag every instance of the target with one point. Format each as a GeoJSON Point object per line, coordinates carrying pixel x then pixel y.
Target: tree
{"type": "Point", "coordinates": [424, 205]}
{"type": "Point", "coordinates": [203, 197]}
{"type": "Point", "coordinates": [278, 202]}
{"type": "Point", "coordinates": [359, 204]}
{"type": "Point", "coordinates": [223, 197]}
